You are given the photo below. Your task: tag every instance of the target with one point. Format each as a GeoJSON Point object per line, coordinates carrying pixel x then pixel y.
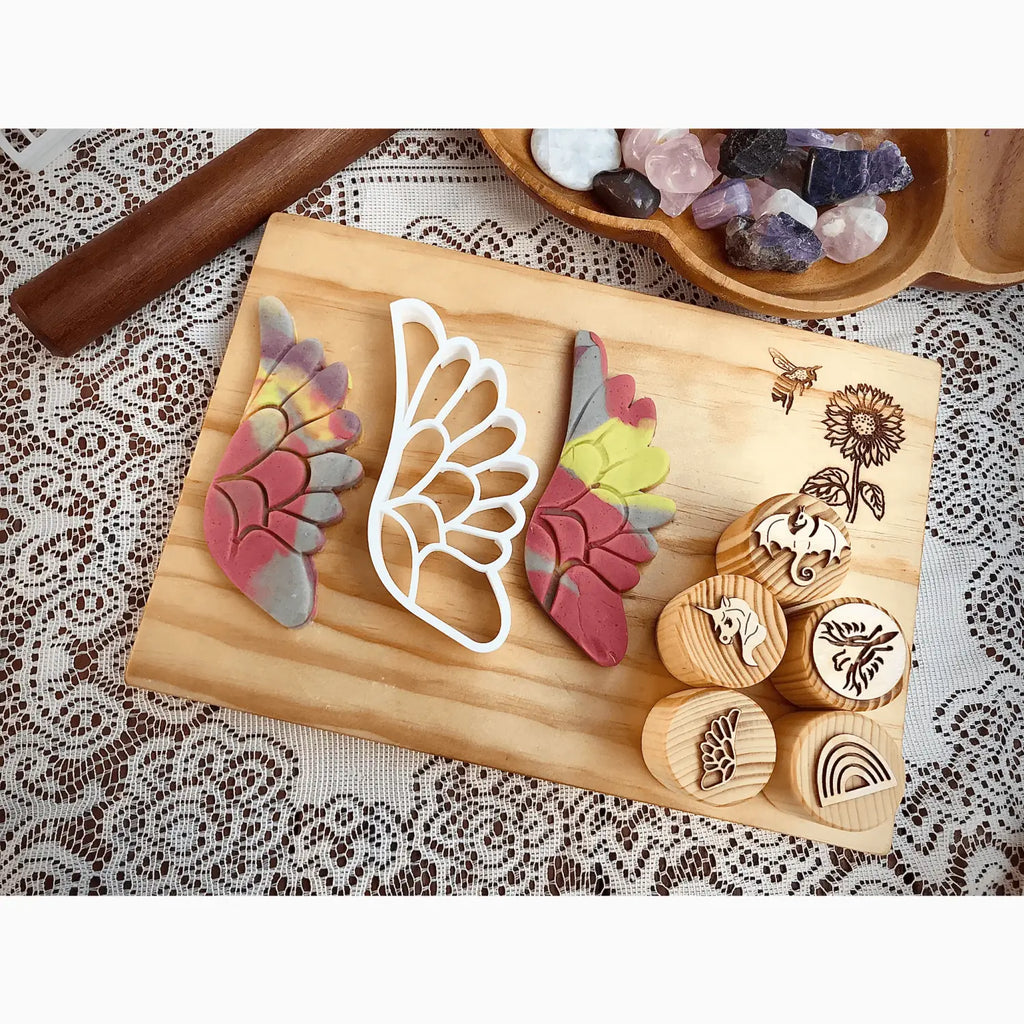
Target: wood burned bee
{"type": "Point", "coordinates": [793, 381]}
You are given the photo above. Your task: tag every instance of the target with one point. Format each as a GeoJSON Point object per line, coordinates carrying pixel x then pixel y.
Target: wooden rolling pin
{"type": "Point", "coordinates": [106, 280]}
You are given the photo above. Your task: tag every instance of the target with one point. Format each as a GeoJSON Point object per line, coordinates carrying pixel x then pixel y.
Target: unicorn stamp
{"type": "Point", "coordinates": [724, 631]}
{"type": "Point", "coordinates": [734, 619]}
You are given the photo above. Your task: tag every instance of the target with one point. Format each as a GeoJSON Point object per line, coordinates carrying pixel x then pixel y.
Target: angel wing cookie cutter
{"type": "Point", "coordinates": [406, 427]}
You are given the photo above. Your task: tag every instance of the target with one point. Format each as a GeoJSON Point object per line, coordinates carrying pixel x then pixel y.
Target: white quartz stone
{"type": "Point", "coordinates": [849, 233]}
{"type": "Point", "coordinates": [572, 156]}
{"type": "Point", "coordinates": [785, 201]}
{"type": "Point", "coordinates": [849, 140]}
{"type": "Point", "coordinates": [876, 203]}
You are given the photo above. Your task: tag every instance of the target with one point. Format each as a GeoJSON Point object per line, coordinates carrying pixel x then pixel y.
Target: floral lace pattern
{"type": "Point", "coordinates": [104, 789]}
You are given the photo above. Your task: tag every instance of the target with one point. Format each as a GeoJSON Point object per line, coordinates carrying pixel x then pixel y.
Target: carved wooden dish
{"type": "Point", "coordinates": [959, 226]}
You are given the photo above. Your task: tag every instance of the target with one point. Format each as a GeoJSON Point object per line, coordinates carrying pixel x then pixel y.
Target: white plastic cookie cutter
{"type": "Point", "coordinates": [406, 427]}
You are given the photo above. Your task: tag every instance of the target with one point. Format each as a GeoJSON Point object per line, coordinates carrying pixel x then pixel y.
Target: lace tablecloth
{"type": "Point", "coordinates": [104, 789]}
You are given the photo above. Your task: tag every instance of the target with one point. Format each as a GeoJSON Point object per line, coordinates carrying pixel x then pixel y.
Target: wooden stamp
{"type": "Point", "coordinates": [716, 745]}
{"type": "Point", "coordinates": [795, 545]}
{"type": "Point", "coordinates": [840, 768]}
{"type": "Point", "coordinates": [724, 631]}
{"type": "Point", "coordinates": [848, 654]}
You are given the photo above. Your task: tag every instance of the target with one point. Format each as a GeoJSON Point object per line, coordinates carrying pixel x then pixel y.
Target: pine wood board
{"type": "Point", "coordinates": [537, 706]}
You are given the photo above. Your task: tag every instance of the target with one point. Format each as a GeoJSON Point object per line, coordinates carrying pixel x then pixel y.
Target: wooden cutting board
{"type": "Point", "coordinates": [537, 705]}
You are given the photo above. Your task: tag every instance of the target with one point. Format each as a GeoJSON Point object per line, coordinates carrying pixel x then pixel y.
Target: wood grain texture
{"type": "Point", "coordinates": [798, 680]}
{"type": "Point", "coordinates": [676, 728]}
{"type": "Point", "coordinates": [959, 225]}
{"type": "Point", "coordinates": [689, 644]}
{"type": "Point", "coordinates": [793, 786]}
{"type": "Point", "coordinates": [116, 273]}
{"type": "Point", "coordinates": [538, 705]}
{"type": "Point", "coordinates": [740, 551]}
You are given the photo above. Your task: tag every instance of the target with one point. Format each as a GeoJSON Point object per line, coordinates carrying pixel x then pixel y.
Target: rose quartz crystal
{"type": "Point", "coordinates": [674, 203]}
{"type": "Point", "coordinates": [636, 144]}
{"type": "Point", "coordinates": [712, 147]}
{"type": "Point", "coordinates": [678, 165]}
{"type": "Point", "coordinates": [760, 193]}
{"type": "Point", "coordinates": [849, 233]}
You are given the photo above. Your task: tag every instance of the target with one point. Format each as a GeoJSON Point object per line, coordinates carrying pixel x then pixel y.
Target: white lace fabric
{"type": "Point", "coordinates": [105, 789]}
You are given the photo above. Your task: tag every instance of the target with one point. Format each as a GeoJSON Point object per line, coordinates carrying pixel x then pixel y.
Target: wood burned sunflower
{"type": "Point", "coordinates": [866, 425]}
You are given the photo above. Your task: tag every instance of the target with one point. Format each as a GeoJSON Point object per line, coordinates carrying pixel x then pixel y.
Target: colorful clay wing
{"type": "Point", "coordinates": [592, 526]}
{"type": "Point", "coordinates": [277, 484]}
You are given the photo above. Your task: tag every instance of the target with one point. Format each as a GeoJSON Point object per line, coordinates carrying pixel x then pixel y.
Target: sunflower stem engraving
{"type": "Point", "coordinates": [866, 425]}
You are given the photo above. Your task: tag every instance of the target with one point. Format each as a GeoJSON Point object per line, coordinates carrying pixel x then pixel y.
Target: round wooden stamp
{"type": "Point", "coordinates": [724, 631]}
{"type": "Point", "coordinates": [795, 545]}
{"type": "Point", "coordinates": [716, 745]}
{"type": "Point", "coordinates": [847, 654]}
{"type": "Point", "coordinates": [840, 768]}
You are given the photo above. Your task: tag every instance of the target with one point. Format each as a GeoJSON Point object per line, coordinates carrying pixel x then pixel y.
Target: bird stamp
{"type": "Point", "coordinates": [848, 653]}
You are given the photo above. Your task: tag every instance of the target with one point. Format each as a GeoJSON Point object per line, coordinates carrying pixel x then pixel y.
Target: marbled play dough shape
{"type": "Point", "coordinates": [277, 483]}
{"type": "Point", "coordinates": [592, 526]}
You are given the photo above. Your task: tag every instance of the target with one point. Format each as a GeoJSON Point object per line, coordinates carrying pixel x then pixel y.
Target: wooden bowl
{"type": "Point", "coordinates": [959, 226]}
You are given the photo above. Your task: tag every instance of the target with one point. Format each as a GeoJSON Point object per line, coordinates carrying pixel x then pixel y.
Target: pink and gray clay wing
{"type": "Point", "coordinates": [592, 527]}
{"type": "Point", "coordinates": [278, 482]}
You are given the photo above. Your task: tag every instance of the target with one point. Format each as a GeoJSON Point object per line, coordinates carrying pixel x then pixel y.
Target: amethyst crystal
{"type": "Point", "coordinates": [808, 137]}
{"type": "Point", "coordinates": [751, 152]}
{"type": "Point", "coordinates": [626, 193]}
{"type": "Point", "coordinates": [772, 242]}
{"type": "Point", "coordinates": [888, 170]}
{"type": "Point", "coordinates": [835, 174]}
{"type": "Point", "coordinates": [723, 202]}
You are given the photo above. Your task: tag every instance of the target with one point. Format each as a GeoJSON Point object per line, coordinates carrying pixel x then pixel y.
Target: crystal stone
{"type": "Point", "coordinates": [849, 233]}
{"type": "Point", "coordinates": [847, 141]}
{"type": "Point", "coordinates": [626, 193]}
{"type": "Point", "coordinates": [751, 152]}
{"type": "Point", "coordinates": [888, 170]}
{"type": "Point", "coordinates": [674, 203]}
{"type": "Point", "coordinates": [785, 201]}
{"type": "Point", "coordinates": [760, 193]}
{"type": "Point", "coordinates": [808, 137]}
{"type": "Point", "coordinates": [636, 144]}
{"type": "Point", "coordinates": [834, 175]}
{"type": "Point", "coordinates": [876, 203]}
{"type": "Point", "coordinates": [774, 242]}
{"type": "Point", "coordinates": [791, 172]}
{"type": "Point", "coordinates": [572, 156]}
{"type": "Point", "coordinates": [720, 204]}
{"type": "Point", "coordinates": [677, 166]}
{"type": "Point", "coordinates": [712, 148]}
